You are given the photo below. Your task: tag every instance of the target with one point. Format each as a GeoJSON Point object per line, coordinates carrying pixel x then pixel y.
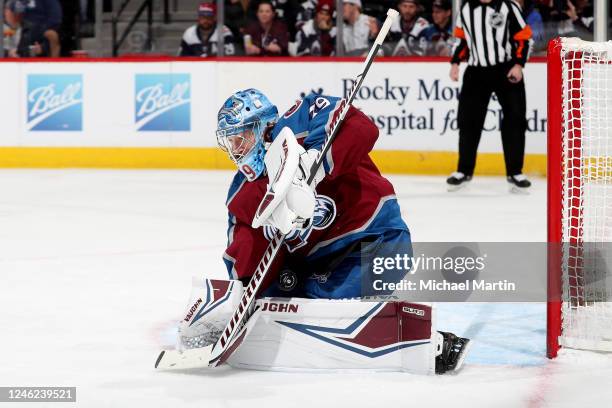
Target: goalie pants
{"type": "Point", "coordinates": [349, 273]}
{"type": "Point", "coordinates": [478, 85]}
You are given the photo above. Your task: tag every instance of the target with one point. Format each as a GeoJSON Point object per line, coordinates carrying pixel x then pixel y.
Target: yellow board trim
{"type": "Point", "coordinates": [114, 158]}
{"type": "Point", "coordinates": [487, 164]}
{"type": "Point", "coordinates": [389, 161]}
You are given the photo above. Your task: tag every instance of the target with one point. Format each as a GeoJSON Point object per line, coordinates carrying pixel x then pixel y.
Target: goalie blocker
{"type": "Point", "coordinates": [321, 334]}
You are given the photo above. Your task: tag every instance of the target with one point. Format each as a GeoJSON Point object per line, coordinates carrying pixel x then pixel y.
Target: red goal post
{"type": "Point", "coordinates": [579, 195]}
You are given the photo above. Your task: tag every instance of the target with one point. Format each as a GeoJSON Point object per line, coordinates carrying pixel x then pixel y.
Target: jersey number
{"type": "Point", "coordinates": [319, 104]}
{"type": "Point", "coordinates": [248, 172]}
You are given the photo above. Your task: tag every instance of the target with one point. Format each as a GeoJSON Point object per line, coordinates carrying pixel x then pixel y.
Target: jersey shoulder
{"type": "Point", "coordinates": [190, 36]}
{"type": "Point", "coordinates": [226, 32]}
{"type": "Point", "coordinates": [308, 28]}
{"type": "Point", "coordinates": [421, 24]}
{"type": "Point", "coordinates": [432, 30]}
{"type": "Point", "coordinates": [296, 118]}
{"type": "Point", "coordinates": [306, 114]}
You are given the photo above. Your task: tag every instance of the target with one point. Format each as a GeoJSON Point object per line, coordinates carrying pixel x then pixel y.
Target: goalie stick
{"type": "Point", "coordinates": [233, 334]}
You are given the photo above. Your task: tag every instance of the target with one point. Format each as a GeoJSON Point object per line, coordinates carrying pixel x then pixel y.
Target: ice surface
{"type": "Point", "coordinates": [96, 267]}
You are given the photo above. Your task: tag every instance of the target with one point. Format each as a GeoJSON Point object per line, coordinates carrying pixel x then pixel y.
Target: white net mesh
{"type": "Point", "coordinates": [587, 195]}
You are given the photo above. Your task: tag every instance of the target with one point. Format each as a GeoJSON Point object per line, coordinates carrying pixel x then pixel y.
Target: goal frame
{"type": "Point", "coordinates": [554, 194]}
{"type": "Point", "coordinates": [565, 113]}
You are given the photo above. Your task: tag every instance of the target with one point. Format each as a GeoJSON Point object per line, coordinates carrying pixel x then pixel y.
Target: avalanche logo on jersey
{"type": "Point", "coordinates": [324, 215]}
{"type": "Point", "coordinates": [162, 102]}
{"type": "Point", "coordinates": [55, 102]}
{"type": "Point", "coordinates": [371, 335]}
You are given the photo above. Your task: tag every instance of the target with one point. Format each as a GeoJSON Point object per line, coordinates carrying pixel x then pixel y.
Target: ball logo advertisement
{"type": "Point", "coordinates": [55, 102]}
{"type": "Point", "coordinates": [414, 105]}
{"type": "Point", "coordinates": [162, 102]}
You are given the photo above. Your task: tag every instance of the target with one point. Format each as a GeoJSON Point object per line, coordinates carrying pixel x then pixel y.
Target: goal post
{"type": "Point", "coordinates": [554, 170]}
{"type": "Point", "coordinates": [579, 312]}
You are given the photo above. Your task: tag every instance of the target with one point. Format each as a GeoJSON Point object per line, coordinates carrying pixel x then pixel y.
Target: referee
{"type": "Point", "coordinates": [494, 40]}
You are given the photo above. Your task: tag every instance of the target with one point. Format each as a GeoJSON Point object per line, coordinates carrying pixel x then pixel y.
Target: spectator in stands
{"type": "Point", "coordinates": [240, 13]}
{"type": "Point", "coordinates": [567, 18]}
{"type": "Point", "coordinates": [378, 8]}
{"type": "Point", "coordinates": [201, 39]}
{"type": "Point", "coordinates": [318, 35]}
{"type": "Point", "coordinates": [40, 21]}
{"type": "Point", "coordinates": [358, 29]}
{"type": "Point", "coordinates": [286, 11]}
{"type": "Point", "coordinates": [580, 13]}
{"type": "Point", "coordinates": [306, 11]}
{"type": "Point", "coordinates": [534, 19]}
{"type": "Point", "coordinates": [69, 29]}
{"type": "Point", "coordinates": [237, 16]}
{"type": "Point", "coordinates": [267, 36]}
{"type": "Point", "coordinates": [11, 30]}
{"type": "Point", "coordinates": [439, 33]}
{"type": "Point", "coordinates": [406, 36]}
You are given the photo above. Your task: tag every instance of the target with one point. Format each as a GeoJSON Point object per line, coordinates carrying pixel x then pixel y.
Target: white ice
{"type": "Point", "coordinates": [96, 267]}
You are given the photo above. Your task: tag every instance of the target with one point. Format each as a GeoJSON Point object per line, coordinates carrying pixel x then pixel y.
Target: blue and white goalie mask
{"type": "Point", "coordinates": [241, 124]}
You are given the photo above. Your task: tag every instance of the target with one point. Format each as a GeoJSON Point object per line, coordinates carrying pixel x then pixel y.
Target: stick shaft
{"type": "Point", "coordinates": [335, 126]}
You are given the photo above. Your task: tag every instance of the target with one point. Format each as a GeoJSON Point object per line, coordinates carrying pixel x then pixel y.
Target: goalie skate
{"type": "Point", "coordinates": [453, 350]}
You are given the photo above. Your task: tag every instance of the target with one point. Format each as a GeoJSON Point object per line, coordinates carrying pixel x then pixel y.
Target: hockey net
{"type": "Point", "coordinates": [580, 195]}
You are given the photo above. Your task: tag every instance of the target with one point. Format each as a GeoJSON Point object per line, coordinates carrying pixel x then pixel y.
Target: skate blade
{"type": "Point", "coordinates": [461, 359]}
{"type": "Point", "coordinates": [451, 189]}
{"type": "Point", "coordinates": [518, 190]}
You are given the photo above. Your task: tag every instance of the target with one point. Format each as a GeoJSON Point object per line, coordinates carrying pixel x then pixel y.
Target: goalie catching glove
{"type": "Point", "coordinates": [289, 202]}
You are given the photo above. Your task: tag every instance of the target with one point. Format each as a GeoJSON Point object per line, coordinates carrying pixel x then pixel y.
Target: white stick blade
{"type": "Point", "coordinates": [176, 360]}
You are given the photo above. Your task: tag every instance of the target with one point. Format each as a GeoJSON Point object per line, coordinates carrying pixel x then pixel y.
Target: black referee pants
{"type": "Point", "coordinates": [478, 85]}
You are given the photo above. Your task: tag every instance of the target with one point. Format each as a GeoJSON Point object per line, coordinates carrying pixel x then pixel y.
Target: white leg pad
{"type": "Point", "coordinates": [298, 334]}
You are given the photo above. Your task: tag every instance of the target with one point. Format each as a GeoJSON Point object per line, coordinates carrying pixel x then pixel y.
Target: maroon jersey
{"type": "Point", "coordinates": [354, 201]}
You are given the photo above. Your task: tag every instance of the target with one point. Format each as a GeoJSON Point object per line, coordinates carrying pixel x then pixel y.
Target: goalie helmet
{"type": "Point", "coordinates": [241, 125]}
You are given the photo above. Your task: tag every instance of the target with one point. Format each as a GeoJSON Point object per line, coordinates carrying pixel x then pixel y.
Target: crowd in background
{"type": "Point", "coordinates": [38, 28]}
{"type": "Point", "coordinates": [290, 27]}
{"type": "Point", "coordinates": [46, 28]}
{"type": "Point", "coordinates": [295, 28]}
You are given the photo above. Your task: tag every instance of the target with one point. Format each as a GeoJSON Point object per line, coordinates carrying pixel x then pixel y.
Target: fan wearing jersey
{"type": "Point", "coordinates": [349, 211]}
{"type": "Point", "coordinates": [201, 39]}
{"type": "Point", "coordinates": [407, 34]}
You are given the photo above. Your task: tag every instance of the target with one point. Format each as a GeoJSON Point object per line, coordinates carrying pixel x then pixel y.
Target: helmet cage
{"type": "Point", "coordinates": [241, 124]}
{"type": "Point", "coordinates": [232, 140]}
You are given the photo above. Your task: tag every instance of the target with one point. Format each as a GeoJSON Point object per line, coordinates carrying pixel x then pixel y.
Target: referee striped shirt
{"type": "Point", "coordinates": [491, 33]}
